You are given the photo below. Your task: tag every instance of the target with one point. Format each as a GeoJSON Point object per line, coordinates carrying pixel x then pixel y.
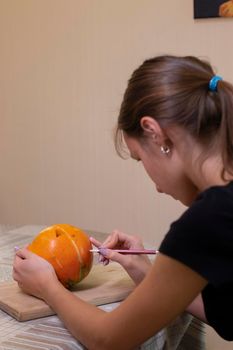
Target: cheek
{"type": "Point", "coordinates": [150, 170]}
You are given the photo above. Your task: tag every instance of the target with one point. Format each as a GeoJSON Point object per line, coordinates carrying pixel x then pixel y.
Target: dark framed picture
{"type": "Point", "coordinates": [213, 8]}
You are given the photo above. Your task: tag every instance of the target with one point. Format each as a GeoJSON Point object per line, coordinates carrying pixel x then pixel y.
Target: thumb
{"type": "Point", "coordinates": [22, 253]}
{"type": "Point", "coordinates": [114, 256]}
{"type": "Point", "coordinates": [95, 242]}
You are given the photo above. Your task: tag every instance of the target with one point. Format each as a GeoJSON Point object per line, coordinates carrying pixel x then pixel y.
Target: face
{"type": "Point", "coordinates": [167, 171]}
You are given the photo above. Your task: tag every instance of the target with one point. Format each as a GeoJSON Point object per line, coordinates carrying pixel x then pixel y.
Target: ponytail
{"type": "Point", "coordinates": [182, 91]}
{"type": "Point", "coordinates": [225, 92]}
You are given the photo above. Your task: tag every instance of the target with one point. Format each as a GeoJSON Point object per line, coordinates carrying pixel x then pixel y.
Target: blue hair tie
{"type": "Point", "coordinates": [213, 84]}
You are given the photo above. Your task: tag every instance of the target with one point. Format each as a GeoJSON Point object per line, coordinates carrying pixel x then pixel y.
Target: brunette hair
{"type": "Point", "coordinates": [175, 90]}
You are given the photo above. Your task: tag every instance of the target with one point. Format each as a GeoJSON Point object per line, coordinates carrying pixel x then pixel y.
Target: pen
{"type": "Point", "coordinates": [128, 251]}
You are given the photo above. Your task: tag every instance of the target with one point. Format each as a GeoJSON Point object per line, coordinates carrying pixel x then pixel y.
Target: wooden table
{"type": "Point", "coordinates": [49, 333]}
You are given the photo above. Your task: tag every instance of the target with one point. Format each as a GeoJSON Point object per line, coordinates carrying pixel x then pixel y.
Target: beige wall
{"type": "Point", "coordinates": [64, 65]}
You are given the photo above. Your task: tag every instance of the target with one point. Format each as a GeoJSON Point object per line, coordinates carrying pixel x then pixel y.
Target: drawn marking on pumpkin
{"type": "Point", "coordinates": [74, 245]}
{"type": "Point", "coordinates": [58, 262]}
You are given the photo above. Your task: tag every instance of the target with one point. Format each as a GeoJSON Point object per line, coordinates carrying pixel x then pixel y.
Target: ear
{"type": "Point", "coordinates": [152, 129]}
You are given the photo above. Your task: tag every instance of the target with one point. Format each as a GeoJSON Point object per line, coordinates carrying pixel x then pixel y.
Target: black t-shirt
{"type": "Point", "coordinates": [203, 240]}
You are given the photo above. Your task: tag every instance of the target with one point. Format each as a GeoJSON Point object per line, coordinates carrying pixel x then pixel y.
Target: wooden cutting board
{"type": "Point", "coordinates": [103, 285]}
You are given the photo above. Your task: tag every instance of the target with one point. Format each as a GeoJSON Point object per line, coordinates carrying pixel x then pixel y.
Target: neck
{"type": "Point", "coordinates": [209, 173]}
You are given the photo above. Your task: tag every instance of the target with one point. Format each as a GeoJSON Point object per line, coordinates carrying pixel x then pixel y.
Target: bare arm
{"type": "Point", "coordinates": [196, 308]}
{"type": "Point", "coordinates": [137, 267]}
{"type": "Point", "coordinates": [165, 292]}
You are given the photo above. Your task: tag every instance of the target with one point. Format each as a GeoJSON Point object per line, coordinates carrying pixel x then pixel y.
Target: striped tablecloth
{"type": "Point", "coordinates": [49, 333]}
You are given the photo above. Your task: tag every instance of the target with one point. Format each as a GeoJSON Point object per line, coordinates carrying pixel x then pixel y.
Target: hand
{"type": "Point", "coordinates": [34, 274]}
{"type": "Point", "coordinates": [226, 9]}
{"type": "Point", "coordinates": [136, 265]}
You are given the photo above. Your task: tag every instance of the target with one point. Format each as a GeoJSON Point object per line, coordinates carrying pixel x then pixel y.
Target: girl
{"type": "Point", "coordinates": [176, 118]}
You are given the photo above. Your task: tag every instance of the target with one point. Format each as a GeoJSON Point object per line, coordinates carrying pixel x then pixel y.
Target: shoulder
{"type": "Point", "coordinates": [203, 236]}
{"type": "Point", "coordinates": [212, 208]}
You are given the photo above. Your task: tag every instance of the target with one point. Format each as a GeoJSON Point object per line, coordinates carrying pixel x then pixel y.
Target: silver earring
{"type": "Point", "coordinates": [165, 149]}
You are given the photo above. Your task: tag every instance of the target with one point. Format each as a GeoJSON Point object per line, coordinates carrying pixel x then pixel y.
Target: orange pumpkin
{"type": "Point", "coordinates": [67, 248]}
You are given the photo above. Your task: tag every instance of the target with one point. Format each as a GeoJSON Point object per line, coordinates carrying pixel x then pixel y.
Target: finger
{"type": "Point", "coordinates": [22, 253]}
{"type": "Point", "coordinates": [114, 256]}
{"type": "Point", "coordinates": [20, 285]}
{"type": "Point", "coordinates": [128, 241]}
{"type": "Point", "coordinates": [115, 239]}
{"type": "Point", "coordinates": [14, 274]}
{"type": "Point", "coordinates": [106, 262]}
{"type": "Point", "coordinates": [17, 262]}
{"type": "Point", "coordinates": [112, 240]}
{"type": "Point", "coordinates": [100, 258]}
{"type": "Point", "coordinates": [95, 242]}
{"type": "Point", "coordinates": [103, 260]}
{"type": "Point", "coordinates": [125, 239]}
